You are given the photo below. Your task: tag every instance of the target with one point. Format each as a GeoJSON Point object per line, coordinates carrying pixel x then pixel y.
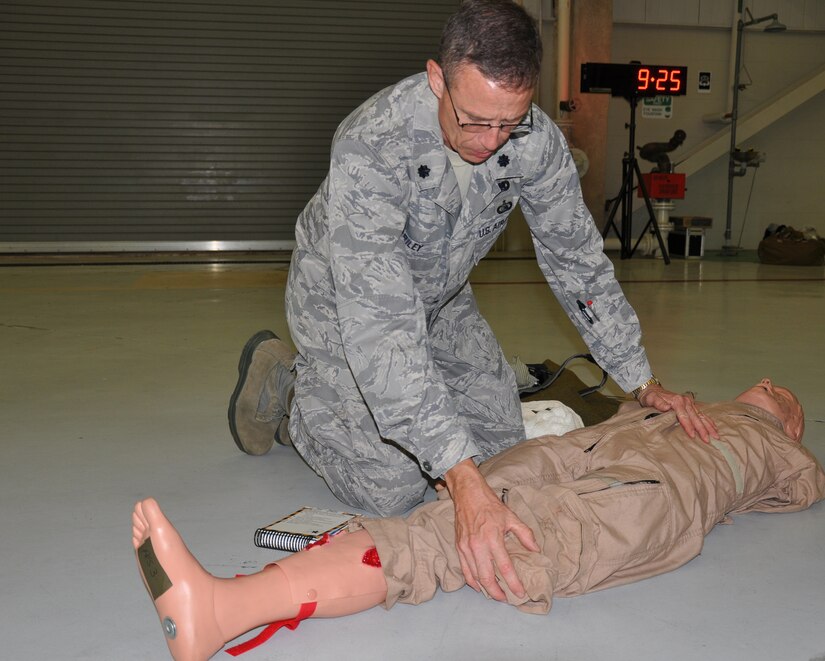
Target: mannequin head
{"type": "Point", "coordinates": [778, 401]}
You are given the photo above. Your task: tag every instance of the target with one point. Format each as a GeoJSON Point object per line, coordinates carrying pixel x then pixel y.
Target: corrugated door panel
{"type": "Point", "coordinates": [166, 121]}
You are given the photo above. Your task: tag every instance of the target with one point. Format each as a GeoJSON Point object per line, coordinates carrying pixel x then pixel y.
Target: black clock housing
{"type": "Point", "coordinates": [633, 80]}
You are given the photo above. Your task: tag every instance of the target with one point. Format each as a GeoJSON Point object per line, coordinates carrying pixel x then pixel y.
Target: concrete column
{"type": "Point", "coordinates": [592, 29]}
{"type": "Point", "coordinates": [591, 42]}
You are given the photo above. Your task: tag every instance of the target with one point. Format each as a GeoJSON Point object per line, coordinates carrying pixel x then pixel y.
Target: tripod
{"type": "Point", "coordinates": [630, 167]}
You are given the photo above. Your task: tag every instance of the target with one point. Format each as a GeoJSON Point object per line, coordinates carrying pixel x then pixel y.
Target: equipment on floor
{"type": "Point", "coordinates": [784, 245]}
{"type": "Point", "coordinates": [551, 381]}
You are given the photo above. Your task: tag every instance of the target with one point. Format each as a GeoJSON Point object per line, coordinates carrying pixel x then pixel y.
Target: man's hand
{"type": "Point", "coordinates": [481, 522]}
{"type": "Point", "coordinates": [692, 420]}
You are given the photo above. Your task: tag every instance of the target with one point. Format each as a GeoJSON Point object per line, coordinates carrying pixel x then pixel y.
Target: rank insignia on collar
{"type": "Point", "coordinates": [504, 160]}
{"type": "Point", "coordinates": [423, 171]}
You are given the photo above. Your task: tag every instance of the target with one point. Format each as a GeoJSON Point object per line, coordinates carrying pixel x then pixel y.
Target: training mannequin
{"type": "Point", "coordinates": [566, 488]}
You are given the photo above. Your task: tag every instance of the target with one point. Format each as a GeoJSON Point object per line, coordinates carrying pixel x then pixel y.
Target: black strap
{"type": "Point", "coordinates": [546, 377]}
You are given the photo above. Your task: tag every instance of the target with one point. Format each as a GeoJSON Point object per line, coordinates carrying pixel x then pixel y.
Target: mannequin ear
{"type": "Point", "coordinates": [795, 429]}
{"type": "Point", "coordinates": [435, 77]}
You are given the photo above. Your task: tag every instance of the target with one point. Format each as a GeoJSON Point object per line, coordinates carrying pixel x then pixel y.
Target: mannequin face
{"type": "Point", "coordinates": [779, 401]}
{"type": "Point", "coordinates": [471, 98]}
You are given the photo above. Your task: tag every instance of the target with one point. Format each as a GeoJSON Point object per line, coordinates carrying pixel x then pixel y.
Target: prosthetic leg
{"type": "Point", "coordinates": [199, 612]}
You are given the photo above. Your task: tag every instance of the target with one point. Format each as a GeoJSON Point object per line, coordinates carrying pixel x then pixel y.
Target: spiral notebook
{"type": "Point", "coordinates": [299, 529]}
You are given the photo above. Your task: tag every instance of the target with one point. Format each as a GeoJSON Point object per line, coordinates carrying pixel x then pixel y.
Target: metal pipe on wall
{"type": "Point", "coordinates": [562, 55]}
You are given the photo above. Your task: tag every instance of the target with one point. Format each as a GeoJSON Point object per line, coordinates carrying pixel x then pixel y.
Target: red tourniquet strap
{"type": "Point", "coordinates": [325, 539]}
{"type": "Point", "coordinates": [306, 611]}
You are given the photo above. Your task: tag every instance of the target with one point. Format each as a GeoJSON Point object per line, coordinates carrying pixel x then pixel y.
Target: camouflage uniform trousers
{"type": "Point", "coordinates": [333, 430]}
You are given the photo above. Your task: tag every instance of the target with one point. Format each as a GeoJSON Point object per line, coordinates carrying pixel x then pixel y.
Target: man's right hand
{"type": "Point", "coordinates": [481, 523]}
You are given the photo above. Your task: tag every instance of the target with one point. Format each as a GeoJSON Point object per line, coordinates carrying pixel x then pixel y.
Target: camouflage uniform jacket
{"type": "Point", "coordinates": [387, 241]}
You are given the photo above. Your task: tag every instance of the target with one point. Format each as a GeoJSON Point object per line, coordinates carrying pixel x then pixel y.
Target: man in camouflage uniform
{"type": "Point", "coordinates": [399, 381]}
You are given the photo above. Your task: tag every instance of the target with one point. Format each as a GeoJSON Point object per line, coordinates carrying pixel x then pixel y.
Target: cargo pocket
{"type": "Point", "coordinates": [615, 477]}
{"type": "Point", "coordinates": [631, 514]}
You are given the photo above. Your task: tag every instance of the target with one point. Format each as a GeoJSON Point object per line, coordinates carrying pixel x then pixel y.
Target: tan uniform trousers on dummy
{"type": "Point", "coordinates": [609, 504]}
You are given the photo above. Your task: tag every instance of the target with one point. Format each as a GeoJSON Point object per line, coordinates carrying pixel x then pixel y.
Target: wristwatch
{"type": "Point", "coordinates": [652, 381]}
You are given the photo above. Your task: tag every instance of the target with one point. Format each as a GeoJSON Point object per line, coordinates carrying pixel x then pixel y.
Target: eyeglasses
{"type": "Point", "coordinates": [475, 127]}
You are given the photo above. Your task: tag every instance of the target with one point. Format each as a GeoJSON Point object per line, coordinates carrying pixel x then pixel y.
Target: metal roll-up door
{"type": "Point", "coordinates": [159, 124]}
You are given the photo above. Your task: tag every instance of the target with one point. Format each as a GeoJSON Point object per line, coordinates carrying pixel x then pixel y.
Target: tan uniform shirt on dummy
{"type": "Point", "coordinates": [610, 504]}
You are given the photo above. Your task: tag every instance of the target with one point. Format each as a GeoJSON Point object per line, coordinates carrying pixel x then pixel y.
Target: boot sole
{"type": "Point", "coordinates": [243, 371]}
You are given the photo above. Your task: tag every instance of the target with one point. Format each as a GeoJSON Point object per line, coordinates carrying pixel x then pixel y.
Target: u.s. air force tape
{"type": "Point", "coordinates": [156, 579]}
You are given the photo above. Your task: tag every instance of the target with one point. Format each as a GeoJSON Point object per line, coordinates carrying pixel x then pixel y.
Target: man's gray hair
{"type": "Point", "coordinates": [498, 37]}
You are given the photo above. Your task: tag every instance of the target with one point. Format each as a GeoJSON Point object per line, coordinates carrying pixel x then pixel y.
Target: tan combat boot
{"type": "Point", "coordinates": [257, 410]}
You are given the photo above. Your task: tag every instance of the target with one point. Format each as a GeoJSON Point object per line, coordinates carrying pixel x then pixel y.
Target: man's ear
{"type": "Point", "coordinates": [435, 76]}
{"type": "Point", "coordinates": [795, 428]}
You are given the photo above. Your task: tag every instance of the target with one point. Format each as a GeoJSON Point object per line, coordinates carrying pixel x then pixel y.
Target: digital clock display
{"type": "Point", "coordinates": [660, 80]}
{"type": "Point", "coordinates": [633, 79]}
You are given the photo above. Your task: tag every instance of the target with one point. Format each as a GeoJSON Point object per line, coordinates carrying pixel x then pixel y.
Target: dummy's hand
{"type": "Point", "coordinates": [481, 522]}
{"type": "Point", "coordinates": [692, 420]}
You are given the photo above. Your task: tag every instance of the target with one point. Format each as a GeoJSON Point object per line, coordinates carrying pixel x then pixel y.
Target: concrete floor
{"type": "Point", "coordinates": [114, 387]}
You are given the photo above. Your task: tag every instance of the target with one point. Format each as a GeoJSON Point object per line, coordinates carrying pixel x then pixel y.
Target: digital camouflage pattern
{"type": "Point", "coordinates": [397, 371]}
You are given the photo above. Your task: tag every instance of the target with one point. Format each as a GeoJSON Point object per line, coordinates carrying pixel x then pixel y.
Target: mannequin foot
{"type": "Point", "coordinates": [182, 591]}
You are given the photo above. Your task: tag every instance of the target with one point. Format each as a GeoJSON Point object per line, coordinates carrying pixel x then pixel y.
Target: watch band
{"type": "Point", "coordinates": [652, 381]}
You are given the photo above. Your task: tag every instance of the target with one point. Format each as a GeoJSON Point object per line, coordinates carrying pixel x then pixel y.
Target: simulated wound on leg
{"type": "Point", "coordinates": [324, 582]}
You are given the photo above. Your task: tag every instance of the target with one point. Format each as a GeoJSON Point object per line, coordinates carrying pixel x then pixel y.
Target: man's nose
{"type": "Point", "coordinates": [493, 138]}
{"type": "Point", "coordinates": [766, 382]}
